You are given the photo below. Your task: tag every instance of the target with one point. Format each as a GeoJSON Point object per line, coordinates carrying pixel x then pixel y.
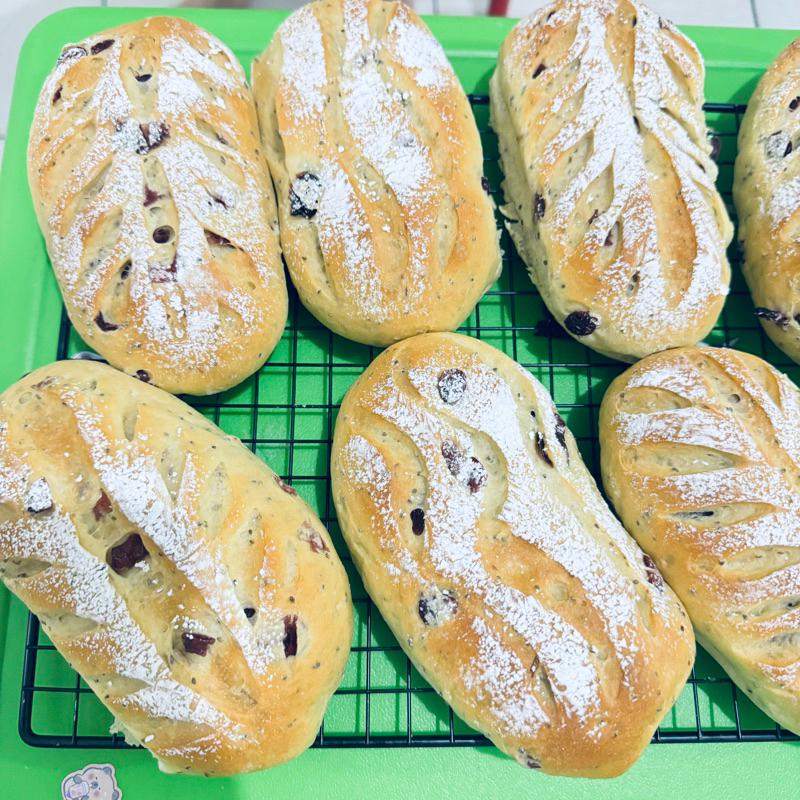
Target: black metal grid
{"type": "Point", "coordinates": [709, 697]}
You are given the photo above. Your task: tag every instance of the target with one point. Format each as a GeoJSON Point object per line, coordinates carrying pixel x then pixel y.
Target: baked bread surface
{"type": "Point", "coordinates": [766, 190]}
{"type": "Point", "coordinates": [194, 592]}
{"type": "Point", "coordinates": [482, 538]}
{"type": "Point", "coordinates": [609, 180]}
{"type": "Point", "coordinates": [152, 194]}
{"type": "Point", "coordinates": [701, 459]}
{"type": "Point", "coordinates": [386, 228]}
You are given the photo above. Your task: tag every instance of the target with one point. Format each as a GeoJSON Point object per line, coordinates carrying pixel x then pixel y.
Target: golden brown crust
{"type": "Point", "coordinates": [597, 105]}
{"type": "Point", "coordinates": [701, 459]}
{"type": "Point", "coordinates": [373, 148]}
{"type": "Point", "coordinates": [766, 190]}
{"type": "Point", "coordinates": [192, 590]}
{"type": "Point", "coordinates": [146, 173]}
{"type": "Point", "coordinates": [485, 544]}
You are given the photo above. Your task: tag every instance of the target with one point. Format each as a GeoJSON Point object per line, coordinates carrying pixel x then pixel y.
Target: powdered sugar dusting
{"type": "Point", "coordinates": [612, 121]}
{"type": "Point", "coordinates": [785, 200]}
{"type": "Point", "coordinates": [487, 411]}
{"type": "Point", "coordinates": [343, 228]}
{"type": "Point", "coordinates": [393, 174]}
{"type": "Point", "coordinates": [174, 300]}
{"type": "Point", "coordinates": [723, 514]}
{"type": "Point", "coordinates": [88, 592]}
{"type": "Point", "coordinates": [134, 483]}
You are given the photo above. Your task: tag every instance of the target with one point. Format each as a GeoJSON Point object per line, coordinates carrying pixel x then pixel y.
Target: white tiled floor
{"type": "Point", "coordinates": [17, 17]}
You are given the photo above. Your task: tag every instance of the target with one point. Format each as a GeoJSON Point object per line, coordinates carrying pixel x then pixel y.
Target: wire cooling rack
{"type": "Point", "coordinates": [285, 414]}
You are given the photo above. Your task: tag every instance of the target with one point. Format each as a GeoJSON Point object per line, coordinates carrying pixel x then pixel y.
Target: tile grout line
{"type": "Point", "coordinates": [755, 13]}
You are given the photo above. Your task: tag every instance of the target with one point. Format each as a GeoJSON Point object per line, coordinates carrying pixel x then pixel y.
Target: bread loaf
{"type": "Point", "coordinates": [766, 190]}
{"type": "Point", "coordinates": [386, 227]}
{"type": "Point", "coordinates": [152, 194]}
{"type": "Point", "coordinates": [701, 459]}
{"type": "Point", "coordinates": [597, 105]}
{"type": "Point", "coordinates": [194, 592]}
{"type": "Point", "coordinates": [484, 542]}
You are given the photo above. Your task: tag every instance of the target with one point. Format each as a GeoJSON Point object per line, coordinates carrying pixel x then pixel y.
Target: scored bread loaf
{"type": "Point", "coordinates": [386, 225]}
{"type": "Point", "coordinates": [609, 180]}
{"type": "Point", "coordinates": [194, 592]}
{"type": "Point", "coordinates": [766, 190]}
{"type": "Point", "coordinates": [151, 190]}
{"type": "Point", "coordinates": [482, 538]}
{"type": "Point", "coordinates": [701, 459]}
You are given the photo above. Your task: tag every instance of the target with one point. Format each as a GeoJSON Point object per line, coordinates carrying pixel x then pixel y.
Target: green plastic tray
{"type": "Point", "coordinates": [313, 368]}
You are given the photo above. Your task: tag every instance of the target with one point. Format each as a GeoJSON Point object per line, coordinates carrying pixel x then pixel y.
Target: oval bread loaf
{"type": "Point", "coordinates": [597, 105]}
{"type": "Point", "coordinates": [386, 227]}
{"type": "Point", "coordinates": [701, 458]}
{"type": "Point", "coordinates": [766, 190]}
{"type": "Point", "coordinates": [485, 544]}
{"type": "Point", "coordinates": [151, 190]}
{"type": "Point", "coordinates": [194, 592]}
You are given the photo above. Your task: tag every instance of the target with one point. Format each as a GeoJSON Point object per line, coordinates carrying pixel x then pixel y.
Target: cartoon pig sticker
{"type": "Point", "coordinates": [93, 782]}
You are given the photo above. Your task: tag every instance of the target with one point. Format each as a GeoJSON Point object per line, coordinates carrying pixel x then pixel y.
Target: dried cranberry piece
{"type": "Point", "coordinates": [453, 457]}
{"type": "Point", "coordinates": [127, 554]}
{"type": "Point", "coordinates": [609, 240]}
{"type": "Point", "coordinates": [163, 234]}
{"type": "Point", "coordinates": [57, 94]}
{"type": "Point", "coordinates": [249, 612]}
{"type": "Point", "coordinates": [304, 195]}
{"type": "Point", "coordinates": [197, 643]}
{"type": "Point", "coordinates": [653, 575]}
{"type": "Point", "coordinates": [530, 762]}
{"type": "Point", "coordinates": [126, 270]}
{"type": "Point", "coordinates": [98, 47]}
{"type": "Point", "coordinates": [772, 315]}
{"type": "Point", "coordinates": [144, 77]}
{"type": "Point", "coordinates": [797, 318]}
{"type": "Point", "coordinates": [285, 486]}
{"type": "Point", "coordinates": [104, 324]}
{"type": "Point", "coordinates": [788, 149]}
{"type": "Point", "coordinates": [215, 238]}
{"type": "Point", "coordinates": [143, 375]}
{"type": "Point", "coordinates": [636, 124]}
{"type": "Point", "coordinates": [150, 196]}
{"type": "Point", "coordinates": [561, 429]}
{"type": "Point", "coordinates": [540, 447]}
{"type": "Point", "coordinates": [217, 199]}
{"type": "Point", "coordinates": [716, 146]}
{"type": "Point", "coordinates": [313, 538]}
{"type": "Point", "coordinates": [417, 521]}
{"type": "Point", "coordinates": [102, 507]}
{"type": "Point", "coordinates": [539, 206]}
{"type": "Point", "coordinates": [539, 70]}
{"type": "Point", "coordinates": [795, 104]}
{"type": "Point", "coordinates": [485, 185]}
{"type": "Point", "coordinates": [432, 609]}
{"type": "Point", "coordinates": [290, 635]}
{"type": "Point", "coordinates": [452, 384]}
{"type": "Point", "coordinates": [71, 54]}
{"type": "Point", "coordinates": [595, 215]}
{"type": "Point", "coordinates": [536, 662]}
{"type": "Point", "coordinates": [476, 475]}
{"type": "Point", "coordinates": [154, 135]}
{"type": "Point", "coordinates": [160, 274]}
{"type": "Point", "coordinates": [580, 323]}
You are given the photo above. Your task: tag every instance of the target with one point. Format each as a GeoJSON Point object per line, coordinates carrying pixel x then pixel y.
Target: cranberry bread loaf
{"type": "Point", "coordinates": [151, 191]}
{"type": "Point", "coordinates": [701, 458]}
{"type": "Point", "coordinates": [485, 544]}
{"type": "Point", "coordinates": [609, 179]}
{"type": "Point", "coordinates": [386, 227]}
{"type": "Point", "coordinates": [194, 592]}
{"type": "Point", "coordinates": [766, 190]}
